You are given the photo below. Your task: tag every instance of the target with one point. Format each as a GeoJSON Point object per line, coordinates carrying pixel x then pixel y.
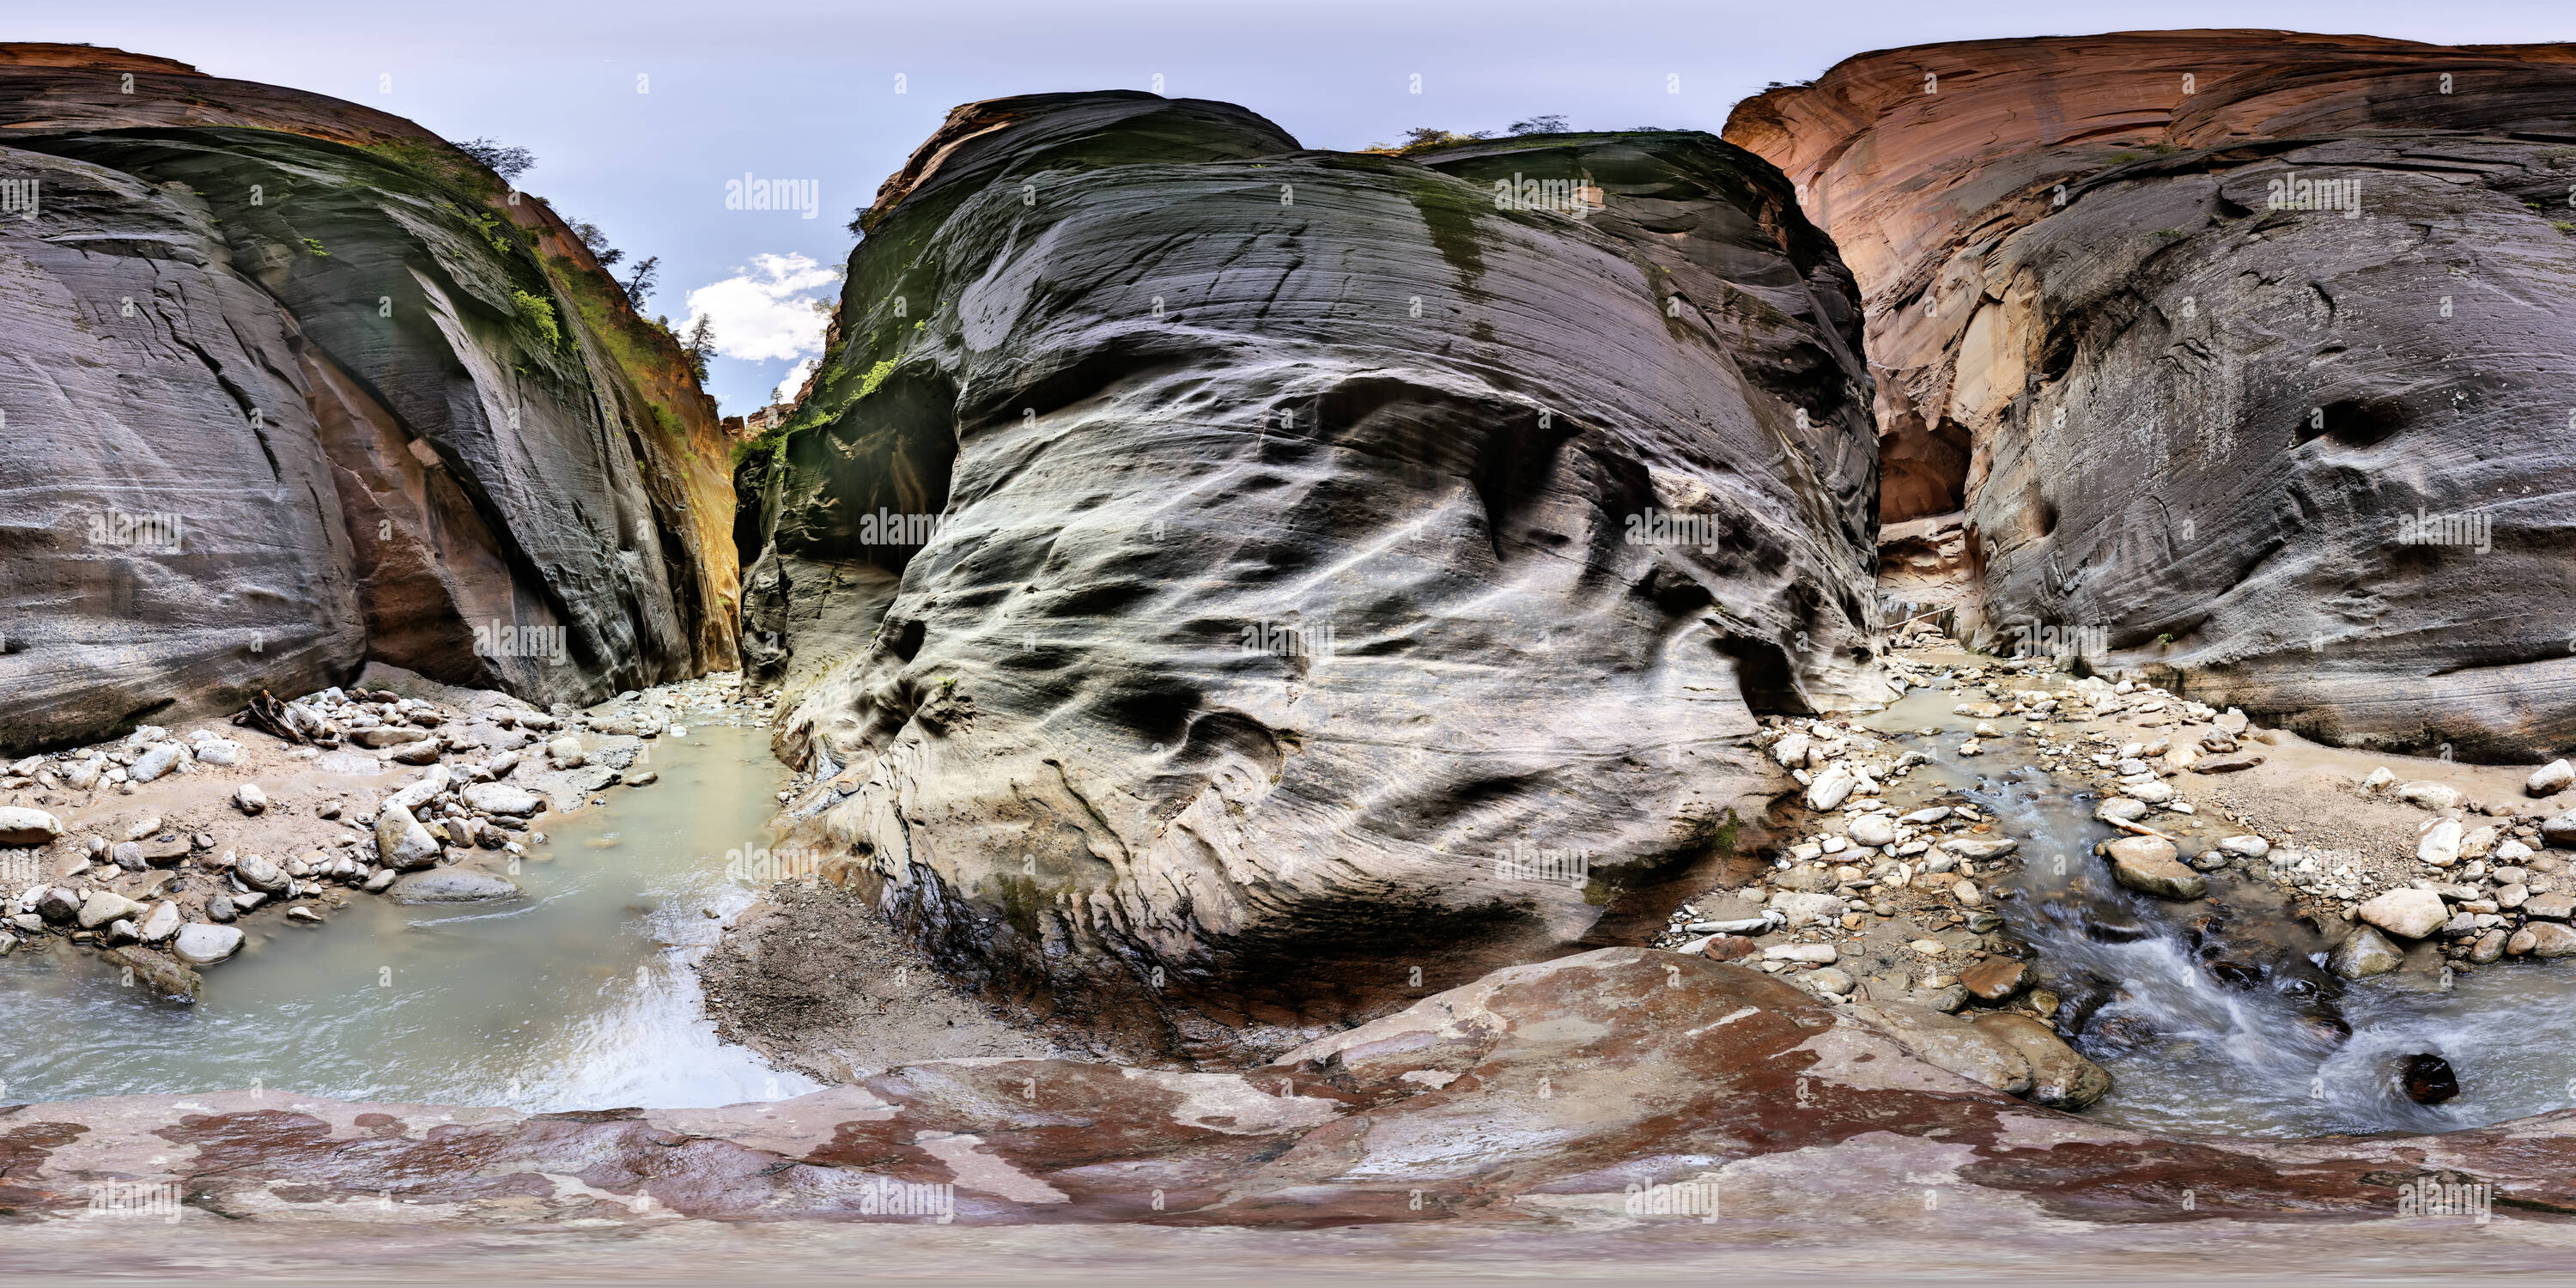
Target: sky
{"type": "Point", "coordinates": [639, 111]}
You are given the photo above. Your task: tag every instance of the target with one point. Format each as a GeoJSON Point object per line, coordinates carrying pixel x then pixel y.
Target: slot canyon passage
{"type": "Point", "coordinates": [1974, 673]}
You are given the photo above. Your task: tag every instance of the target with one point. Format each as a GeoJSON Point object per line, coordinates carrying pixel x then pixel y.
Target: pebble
{"type": "Point", "coordinates": [249, 799]}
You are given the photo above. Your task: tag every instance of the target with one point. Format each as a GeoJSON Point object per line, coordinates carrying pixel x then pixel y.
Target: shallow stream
{"type": "Point", "coordinates": [579, 996]}
{"type": "Point", "coordinates": [2190, 1052]}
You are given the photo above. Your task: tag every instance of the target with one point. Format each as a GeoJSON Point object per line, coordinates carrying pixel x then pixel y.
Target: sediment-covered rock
{"type": "Point", "coordinates": [1220, 579]}
{"type": "Point", "coordinates": [295, 385]}
{"type": "Point", "coordinates": [2224, 341]}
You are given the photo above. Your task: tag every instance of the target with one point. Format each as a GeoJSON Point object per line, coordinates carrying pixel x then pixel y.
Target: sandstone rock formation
{"type": "Point", "coordinates": [2242, 350]}
{"type": "Point", "coordinates": [1238, 588]}
{"type": "Point", "coordinates": [295, 386]}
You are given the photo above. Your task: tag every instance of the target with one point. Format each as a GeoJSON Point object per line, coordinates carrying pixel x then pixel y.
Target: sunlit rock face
{"type": "Point", "coordinates": [1237, 587]}
{"type": "Point", "coordinates": [2248, 354]}
{"type": "Point", "coordinates": [293, 386]}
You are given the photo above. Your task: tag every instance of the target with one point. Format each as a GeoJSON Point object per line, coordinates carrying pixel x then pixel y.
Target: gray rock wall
{"type": "Point", "coordinates": [1280, 596]}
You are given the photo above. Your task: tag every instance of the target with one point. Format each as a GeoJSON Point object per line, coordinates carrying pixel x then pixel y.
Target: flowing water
{"type": "Point", "coordinates": [580, 996]}
{"type": "Point", "coordinates": [2188, 1051]}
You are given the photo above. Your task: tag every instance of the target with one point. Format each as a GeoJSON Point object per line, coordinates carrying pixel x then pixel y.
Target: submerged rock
{"type": "Point", "coordinates": [2427, 1079]}
{"type": "Point", "coordinates": [451, 885]}
{"type": "Point", "coordinates": [2364, 953]}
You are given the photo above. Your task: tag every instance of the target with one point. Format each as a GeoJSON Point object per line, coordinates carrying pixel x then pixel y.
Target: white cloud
{"type": "Point", "coordinates": [766, 311]}
{"type": "Point", "coordinates": [795, 379]}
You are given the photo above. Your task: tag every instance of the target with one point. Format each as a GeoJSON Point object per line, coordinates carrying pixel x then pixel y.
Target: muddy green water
{"type": "Point", "coordinates": [580, 996]}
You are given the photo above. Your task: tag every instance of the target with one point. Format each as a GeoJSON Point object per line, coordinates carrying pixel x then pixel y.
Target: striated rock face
{"type": "Point", "coordinates": [1238, 587]}
{"type": "Point", "coordinates": [2246, 352]}
{"type": "Point", "coordinates": [294, 386]}
{"type": "Point", "coordinates": [1622, 1090]}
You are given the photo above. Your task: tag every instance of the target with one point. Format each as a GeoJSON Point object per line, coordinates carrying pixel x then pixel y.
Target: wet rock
{"type": "Point", "coordinates": [249, 799]}
{"type": "Point", "coordinates": [402, 843]}
{"type": "Point", "coordinates": [199, 944]}
{"type": "Point", "coordinates": [58, 905]}
{"type": "Point", "coordinates": [2405, 913]}
{"type": "Point", "coordinates": [261, 875]}
{"type": "Point", "coordinates": [2549, 939]}
{"type": "Point", "coordinates": [306, 915]}
{"type": "Point", "coordinates": [156, 973]}
{"type": "Point", "coordinates": [2489, 947]}
{"type": "Point", "coordinates": [2120, 809]}
{"type": "Point", "coordinates": [639, 777]}
{"type": "Point", "coordinates": [452, 885]}
{"type": "Point", "coordinates": [2059, 1078]}
{"type": "Point", "coordinates": [2146, 864]}
{"type": "Point", "coordinates": [2550, 779]}
{"type": "Point", "coordinates": [2364, 953]}
{"type": "Point", "coordinates": [1997, 978]}
{"type": "Point", "coordinates": [1952, 1043]}
{"type": "Point", "coordinates": [21, 826]}
{"type": "Point", "coordinates": [2427, 1079]}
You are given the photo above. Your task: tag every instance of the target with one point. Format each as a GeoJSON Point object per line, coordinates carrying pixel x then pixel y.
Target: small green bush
{"type": "Point", "coordinates": [539, 314]}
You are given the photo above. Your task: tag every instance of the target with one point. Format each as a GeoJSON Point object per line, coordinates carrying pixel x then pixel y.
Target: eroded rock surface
{"type": "Point", "coordinates": [295, 386]}
{"type": "Point", "coordinates": [2243, 349]}
{"type": "Point", "coordinates": [1231, 544]}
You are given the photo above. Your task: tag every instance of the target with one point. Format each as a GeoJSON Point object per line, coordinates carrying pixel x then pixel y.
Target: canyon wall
{"type": "Point", "coordinates": [293, 385]}
{"type": "Point", "coordinates": [1226, 589]}
{"type": "Point", "coordinates": [2249, 355]}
